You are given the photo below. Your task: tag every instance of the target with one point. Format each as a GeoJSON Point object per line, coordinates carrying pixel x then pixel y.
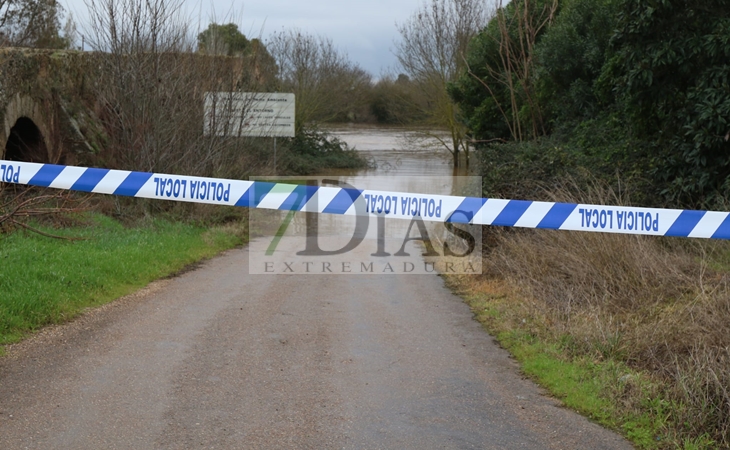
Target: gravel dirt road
{"type": "Point", "coordinates": [218, 358]}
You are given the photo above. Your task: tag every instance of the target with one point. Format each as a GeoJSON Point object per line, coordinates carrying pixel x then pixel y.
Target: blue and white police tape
{"type": "Point", "coordinates": [350, 201]}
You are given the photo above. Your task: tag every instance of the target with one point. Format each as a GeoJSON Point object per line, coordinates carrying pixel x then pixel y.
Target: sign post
{"type": "Point", "coordinates": [249, 114]}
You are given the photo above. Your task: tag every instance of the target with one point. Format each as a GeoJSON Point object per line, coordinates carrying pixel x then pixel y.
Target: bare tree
{"type": "Point", "coordinates": [516, 39]}
{"type": "Point", "coordinates": [318, 74]}
{"type": "Point", "coordinates": [123, 27]}
{"type": "Point", "coordinates": [135, 36]}
{"type": "Point", "coordinates": [151, 87]}
{"type": "Point", "coordinates": [431, 52]}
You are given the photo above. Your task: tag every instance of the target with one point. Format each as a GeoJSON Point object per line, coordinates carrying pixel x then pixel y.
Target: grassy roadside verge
{"type": "Point", "coordinates": [582, 383]}
{"type": "Point", "coordinates": [45, 281]}
{"type": "Point", "coordinates": [632, 332]}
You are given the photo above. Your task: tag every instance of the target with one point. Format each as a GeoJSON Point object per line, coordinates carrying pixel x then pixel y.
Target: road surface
{"type": "Point", "coordinates": [218, 358]}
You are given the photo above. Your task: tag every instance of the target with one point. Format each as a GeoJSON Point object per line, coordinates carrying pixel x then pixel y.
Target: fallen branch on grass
{"type": "Point", "coordinates": [17, 206]}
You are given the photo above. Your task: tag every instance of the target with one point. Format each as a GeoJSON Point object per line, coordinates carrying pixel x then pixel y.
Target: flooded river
{"type": "Point", "coordinates": [406, 160]}
{"type": "Point", "coordinates": [397, 151]}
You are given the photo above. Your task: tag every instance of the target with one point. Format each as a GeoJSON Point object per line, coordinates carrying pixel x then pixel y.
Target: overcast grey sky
{"type": "Point", "coordinates": [365, 30]}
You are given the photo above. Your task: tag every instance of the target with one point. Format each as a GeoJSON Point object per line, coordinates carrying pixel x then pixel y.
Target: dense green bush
{"type": "Point", "coordinates": [637, 90]}
{"type": "Point", "coordinates": [570, 58]}
{"type": "Point", "coordinates": [672, 70]}
{"type": "Point", "coordinates": [313, 150]}
{"type": "Point", "coordinates": [495, 97]}
{"type": "Point", "coordinates": [597, 151]}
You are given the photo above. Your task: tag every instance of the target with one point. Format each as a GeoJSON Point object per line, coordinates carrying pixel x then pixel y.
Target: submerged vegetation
{"type": "Point", "coordinates": [312, 151]}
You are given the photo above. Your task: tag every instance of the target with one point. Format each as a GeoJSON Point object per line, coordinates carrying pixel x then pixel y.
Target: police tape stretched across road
{"type": "Point", "coordinates": [349, 200]}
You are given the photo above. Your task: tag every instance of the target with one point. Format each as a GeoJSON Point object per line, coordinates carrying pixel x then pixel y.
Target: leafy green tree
{"type": "Point", "coordinates": [672, 70]}
{"type": "Point", "coordinates": [497, 93]}
{"type": "Point", "coordinates": [31, 23]}
{"type": "Point", "coordinates": [264, 64]}
{"type": "Point", "coordinates": [639, 86]}
{"type": "Point", "coordinates": [227, 40]}
{"type": "Point", "coordinates": [570, 58]}
{"type": "Point", "coordinates": [478, 92]}
{"type": "Point", "coordinates": [224, 40]}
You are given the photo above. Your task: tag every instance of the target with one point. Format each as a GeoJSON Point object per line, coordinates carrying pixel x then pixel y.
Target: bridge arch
{"type": "Point", "coordinates": [26, 131]}
{"type": "Point", "coordinates": [26, 143]}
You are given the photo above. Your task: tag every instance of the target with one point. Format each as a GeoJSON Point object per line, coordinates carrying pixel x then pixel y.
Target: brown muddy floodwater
{"type": "Point", "coordinates": [405, 160]}
{"type": "Point", "coordinates": [396, 151]}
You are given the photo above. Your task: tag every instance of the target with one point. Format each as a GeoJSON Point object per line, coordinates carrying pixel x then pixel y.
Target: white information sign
{"type": "Point", "coordinates": [249, 114]}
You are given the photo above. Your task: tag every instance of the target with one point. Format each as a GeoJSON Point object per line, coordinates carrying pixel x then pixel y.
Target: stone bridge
{"type": "Point", "coordinates": [41, 96]}
{"type": "Point", "coordinates": [48, 101]}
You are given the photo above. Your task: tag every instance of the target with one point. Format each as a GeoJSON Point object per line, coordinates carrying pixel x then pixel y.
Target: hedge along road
{"type": "Point", "coordinates": [218, 358]}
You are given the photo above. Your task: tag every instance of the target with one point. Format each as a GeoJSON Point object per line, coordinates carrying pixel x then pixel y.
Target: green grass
{"type": "Point", "coordinates": [587, 385]}
{"type": "Point", "coordinates": [584, 385]}
{"type": "Point", "coordinates": [45, 281]}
